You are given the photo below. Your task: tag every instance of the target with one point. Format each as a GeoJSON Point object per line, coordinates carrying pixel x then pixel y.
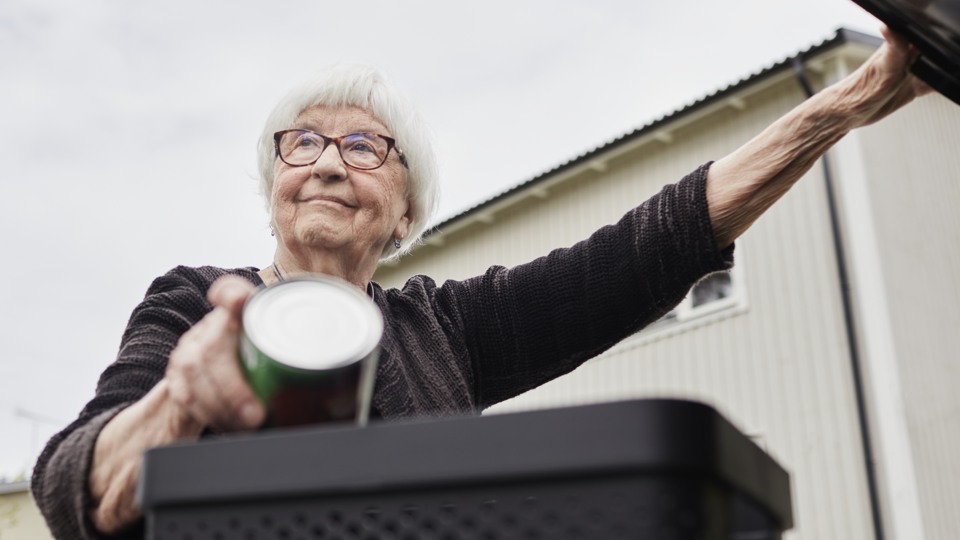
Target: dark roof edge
{"type": "Point", "coordinates": [842, 36]}
{"type": "Point", "coordinates": [17, 486]}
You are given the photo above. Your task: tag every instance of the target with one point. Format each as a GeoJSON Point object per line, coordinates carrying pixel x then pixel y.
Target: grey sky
{"type": "Point", "coordinates": [127, 133]}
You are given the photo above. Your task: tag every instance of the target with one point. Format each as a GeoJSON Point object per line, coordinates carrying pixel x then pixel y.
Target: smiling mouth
{"type": "Point", "coordinates": [328, 200]}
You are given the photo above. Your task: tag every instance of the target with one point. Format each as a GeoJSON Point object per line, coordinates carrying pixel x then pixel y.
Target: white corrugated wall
{"type": "Point", "coordinates": [778, 365]}
{"type": "Point", "coordinates": [913, 167]}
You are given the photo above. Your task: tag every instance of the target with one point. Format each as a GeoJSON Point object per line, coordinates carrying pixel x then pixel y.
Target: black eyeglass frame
{"type": "Point", "coordinates": [391, 145]}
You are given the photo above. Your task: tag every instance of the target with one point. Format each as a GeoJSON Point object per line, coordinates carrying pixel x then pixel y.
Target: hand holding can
{"type": "Point", "coordinates": [309, 351]}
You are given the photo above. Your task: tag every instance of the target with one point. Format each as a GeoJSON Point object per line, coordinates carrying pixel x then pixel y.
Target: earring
{"type": "Point", "coordinates": [272, 232]}
{"type": "Point", "coordinates": [396, 243]}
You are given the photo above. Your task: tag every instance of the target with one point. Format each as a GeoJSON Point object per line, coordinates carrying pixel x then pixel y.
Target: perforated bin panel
{"type": "Point", "coordinates": [658, 469]}
{"type": "Point", "coordinates": [638, 507]}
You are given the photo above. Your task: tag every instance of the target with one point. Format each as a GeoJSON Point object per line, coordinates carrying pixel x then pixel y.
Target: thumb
{"type": "Point", "coordinates": [230, 292]}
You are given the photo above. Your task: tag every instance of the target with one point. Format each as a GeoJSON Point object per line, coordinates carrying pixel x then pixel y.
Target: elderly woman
{"type": "Point", "coordinates": [349, 180]}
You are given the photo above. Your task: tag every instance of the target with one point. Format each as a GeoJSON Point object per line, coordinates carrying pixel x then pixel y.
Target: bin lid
{"type": "Point", "coordinates": [934, 27]}
{"type": "Point", "coordinates": [660, 436]}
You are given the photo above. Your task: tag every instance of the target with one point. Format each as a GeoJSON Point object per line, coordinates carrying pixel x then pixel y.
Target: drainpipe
{"type": "Point", "coordinates": [847, 300]}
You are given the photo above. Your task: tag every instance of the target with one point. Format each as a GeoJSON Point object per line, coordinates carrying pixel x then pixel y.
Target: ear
{"type": "Point", "coordinates": [403, 226]}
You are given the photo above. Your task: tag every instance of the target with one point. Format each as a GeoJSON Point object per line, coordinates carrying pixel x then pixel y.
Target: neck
{"type": "Point", "coordinates": [292, 265]}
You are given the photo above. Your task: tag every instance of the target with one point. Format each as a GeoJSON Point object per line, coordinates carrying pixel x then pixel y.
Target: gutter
{"type": "Point", "coordinates": [848, 319]}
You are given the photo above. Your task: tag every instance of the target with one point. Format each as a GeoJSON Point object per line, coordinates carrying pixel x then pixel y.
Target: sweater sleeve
{"type": "Point", "coordinates": [526, 325]}
{"type": "Point", "coordinates": [173, 303]}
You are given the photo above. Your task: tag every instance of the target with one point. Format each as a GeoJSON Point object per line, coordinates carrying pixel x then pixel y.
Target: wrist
{"type": "Point", "coordinates": [177, 422]}
{"type": "Point", "coordinates": [155, 420]}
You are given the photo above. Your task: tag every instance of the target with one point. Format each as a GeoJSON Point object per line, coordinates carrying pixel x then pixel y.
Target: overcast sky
{"type": "Point", "coordinates": [127, 133]}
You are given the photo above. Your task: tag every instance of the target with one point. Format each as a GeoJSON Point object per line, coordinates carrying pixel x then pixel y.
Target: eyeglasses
{"type": "Point", "coordinates": [363, 151]}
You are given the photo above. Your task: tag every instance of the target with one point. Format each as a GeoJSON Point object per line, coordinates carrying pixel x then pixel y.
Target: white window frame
{"type": "Point", "coordinates": [689, 317]}
{"type": "Point", "coordinates": [686, 311]}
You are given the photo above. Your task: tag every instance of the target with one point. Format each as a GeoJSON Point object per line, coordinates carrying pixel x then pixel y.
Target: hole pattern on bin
{"type": "Point", "coordinates": [584, 509]}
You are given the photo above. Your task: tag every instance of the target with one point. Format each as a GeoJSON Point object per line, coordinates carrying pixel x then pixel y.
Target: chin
{"type": "Point", "coordinates": [321, 234]}
{"type": "Point", "coordinates": [317, 238]}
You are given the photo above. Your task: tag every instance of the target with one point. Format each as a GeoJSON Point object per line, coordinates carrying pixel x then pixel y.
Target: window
{"type": "Point", "coordinates": [719, 291]}
{"type": "Point", "coordinates": [713, 288]}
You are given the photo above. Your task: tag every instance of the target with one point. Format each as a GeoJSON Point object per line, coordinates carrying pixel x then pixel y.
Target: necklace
{"type": "Point", "coordinates": [277, 272]}
{"type": "Point", "coordinates": [371, 292]}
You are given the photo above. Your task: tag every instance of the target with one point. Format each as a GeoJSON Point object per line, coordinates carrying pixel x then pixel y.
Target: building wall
{"type": "Point", "coordinates": [913, 167]}
{"type": "Point", "coordinates": [777, 366]}
{"type": "Point", "coordinates": [19, 517]}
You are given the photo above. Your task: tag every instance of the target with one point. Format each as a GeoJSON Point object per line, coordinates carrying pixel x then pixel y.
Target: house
{"type": "Point", "coordinates": [835, 342]}
{"type": "Point", "coordinates": [19, 516]}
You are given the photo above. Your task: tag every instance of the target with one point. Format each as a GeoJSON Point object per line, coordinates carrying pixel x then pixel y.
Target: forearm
{"type": "Point", "coordinates": [153, 421]}
{"type": "Point", "coordinates": [741, 186]}
{"type": "Point", "coordinates": [745, 183]}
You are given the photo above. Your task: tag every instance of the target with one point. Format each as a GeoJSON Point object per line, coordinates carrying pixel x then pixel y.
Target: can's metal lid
{"type": "Point", "coordinates": [313, 323]}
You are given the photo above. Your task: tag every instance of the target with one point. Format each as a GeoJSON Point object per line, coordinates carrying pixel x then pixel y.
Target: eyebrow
{"type": "Point", "coordinates": [308, 125]}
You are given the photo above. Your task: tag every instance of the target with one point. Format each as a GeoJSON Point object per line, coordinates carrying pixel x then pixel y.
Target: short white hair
{"type": "Point", "coordinates": [369, 89]}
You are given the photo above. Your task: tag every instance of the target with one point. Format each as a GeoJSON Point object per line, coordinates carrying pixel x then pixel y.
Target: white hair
{"type": "Point", "coordinates": [369, 89]}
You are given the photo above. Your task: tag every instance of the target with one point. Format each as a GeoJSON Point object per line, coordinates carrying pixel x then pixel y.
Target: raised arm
{"type": "Point", "coordinates": [744, 184]}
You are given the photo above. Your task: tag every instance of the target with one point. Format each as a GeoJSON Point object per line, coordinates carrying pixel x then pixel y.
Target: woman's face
{"type": "Point", "coordinates": [328, 205]}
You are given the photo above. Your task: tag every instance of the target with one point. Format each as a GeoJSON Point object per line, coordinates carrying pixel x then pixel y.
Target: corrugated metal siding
{"type": "Point", "coordinates": [779, 369]}
{"type": "Point", "coordinates": [913, 162]}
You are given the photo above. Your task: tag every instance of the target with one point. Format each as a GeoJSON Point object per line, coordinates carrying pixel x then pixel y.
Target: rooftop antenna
{"type": "Point", "coordinates": [35, 420]}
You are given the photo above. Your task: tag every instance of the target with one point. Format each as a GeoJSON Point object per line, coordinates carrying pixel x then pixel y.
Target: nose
{"type": "Point", "coordinates": [329, 167]}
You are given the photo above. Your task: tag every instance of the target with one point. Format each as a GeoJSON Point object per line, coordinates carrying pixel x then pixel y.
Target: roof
{"type": "Point", "coordinates": [841, 37]}
{"type": "Point", "coordinates": [14, 487]}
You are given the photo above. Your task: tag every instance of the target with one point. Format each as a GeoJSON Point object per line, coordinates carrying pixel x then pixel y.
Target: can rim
{"type": "Point", "coordinates": [366, 344]}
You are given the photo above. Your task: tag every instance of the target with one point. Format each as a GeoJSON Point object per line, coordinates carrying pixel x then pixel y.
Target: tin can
{"type": "Point", "coordinates": [309, 351]}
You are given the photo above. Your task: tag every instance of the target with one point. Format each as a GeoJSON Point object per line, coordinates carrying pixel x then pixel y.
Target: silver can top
{"type": "Point", "coordinates": [313, 323]}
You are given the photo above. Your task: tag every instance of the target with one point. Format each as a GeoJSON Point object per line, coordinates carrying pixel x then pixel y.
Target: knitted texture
{"type": "Point", "coordinates": [450, 349]}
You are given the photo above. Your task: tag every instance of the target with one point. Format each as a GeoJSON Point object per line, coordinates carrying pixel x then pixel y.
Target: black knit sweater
{"type": "Point", "coordinates": [449, 349]}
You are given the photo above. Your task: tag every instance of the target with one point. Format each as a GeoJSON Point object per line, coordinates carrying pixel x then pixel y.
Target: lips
{"type": "Point", "coordinates": [328, 198]}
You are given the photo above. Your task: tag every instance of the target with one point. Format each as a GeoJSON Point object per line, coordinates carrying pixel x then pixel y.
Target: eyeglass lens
{"type": "Point", "coordinates": [361, 150]}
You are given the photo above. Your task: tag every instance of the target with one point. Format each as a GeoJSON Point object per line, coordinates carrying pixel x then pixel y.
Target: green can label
{"type": "Point", "coordinates": [309, 351]}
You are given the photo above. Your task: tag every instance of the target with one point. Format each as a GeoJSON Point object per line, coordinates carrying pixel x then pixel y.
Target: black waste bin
{"type": "Point", "coordinates": [657, 469]}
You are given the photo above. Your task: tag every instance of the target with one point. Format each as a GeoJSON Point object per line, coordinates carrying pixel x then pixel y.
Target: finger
{"type": "Point", "coordinates": [206, 378]}
{"type": "Point", "coordinates": [227, 410]}
{"type": "Point", "coordinates": [187, 388]}
{"type": "Point", "coordinates": [899, 44]}
{"type": "Point", "coordinates": [231, 401]}
{"type": "Point", "coordinates": [920, 87]}
{"type": "Point", "coordinates": [190, 386]}
{"type": "Point", "coordinates": [893, 38]}
{"type": "Point", "coordinates": [890, 36]}
{"type": "Point", "coordinates": [241, 408]}
{"type": "Point", "coordinates": [230, 292]}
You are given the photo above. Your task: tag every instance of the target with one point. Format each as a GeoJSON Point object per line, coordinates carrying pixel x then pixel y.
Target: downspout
{"type": "Point", "coordinates": [847, 301]}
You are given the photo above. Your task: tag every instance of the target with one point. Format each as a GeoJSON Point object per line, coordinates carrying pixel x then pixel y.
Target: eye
{"type": "Point", "coordinates": [360, 142]}
{"type": "Point", "coordinates": [307, 140]}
